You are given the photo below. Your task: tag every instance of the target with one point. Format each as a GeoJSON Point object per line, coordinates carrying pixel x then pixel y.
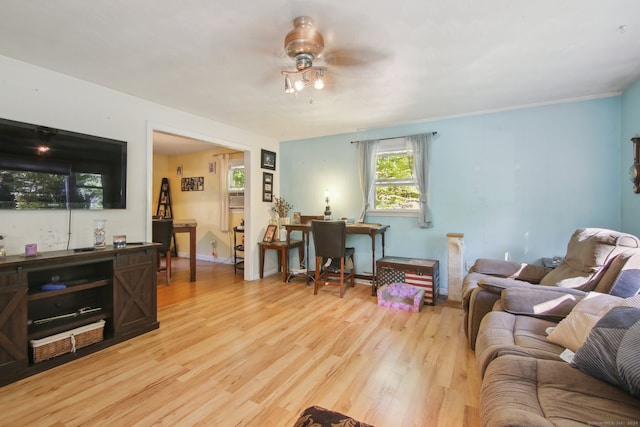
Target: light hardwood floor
{"type": "Point", "coordinates": [236, 353]}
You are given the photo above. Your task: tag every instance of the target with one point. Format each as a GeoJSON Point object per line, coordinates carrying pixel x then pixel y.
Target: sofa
{"type": "Point", "coordinates": [594, 260]}
{"type": "Point", "coordinates": [555, 357]}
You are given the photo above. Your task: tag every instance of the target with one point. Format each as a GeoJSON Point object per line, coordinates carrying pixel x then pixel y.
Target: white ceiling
{"type": "Point", "coordinates": [411, 60]}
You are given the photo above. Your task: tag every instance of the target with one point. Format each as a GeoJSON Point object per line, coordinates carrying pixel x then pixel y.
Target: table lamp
{"type": "Point", "coordinates": [327, 209]}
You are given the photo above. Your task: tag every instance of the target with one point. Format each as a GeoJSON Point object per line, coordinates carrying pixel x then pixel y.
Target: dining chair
{"type": "Point", "coordinates": [329, 239]}
{"type": "Point", "coordinates": [162, 232]}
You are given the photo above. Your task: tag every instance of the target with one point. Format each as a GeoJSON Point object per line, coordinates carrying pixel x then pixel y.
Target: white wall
{"type": "Point", "coordinates": [36, 95]}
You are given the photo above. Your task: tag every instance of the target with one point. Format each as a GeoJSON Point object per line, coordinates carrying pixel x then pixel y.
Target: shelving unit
{"type": "Point", "coordinates": [164, 210]}
{"type": "Point", "coordinates": [114, 285]}
{"type": "Point", "coordinates": [164, 200]}
{"type": "Point", "coordinates": [89, 287]}
{"type": "Point", "coordinates": [238, 260]}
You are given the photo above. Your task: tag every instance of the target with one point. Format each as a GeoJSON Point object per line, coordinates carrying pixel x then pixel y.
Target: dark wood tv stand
{"type": "Point", "coordinates": [114, 285]}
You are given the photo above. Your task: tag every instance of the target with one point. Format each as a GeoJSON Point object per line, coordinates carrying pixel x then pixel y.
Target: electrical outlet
{"type": "Point", "coordinates": [468, 265]}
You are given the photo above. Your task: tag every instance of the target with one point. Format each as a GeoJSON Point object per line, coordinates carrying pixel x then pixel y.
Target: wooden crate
{"type": "Point", "coordinates": [422, 273]}
{"type": "Point", "coordinates": [67, 342]}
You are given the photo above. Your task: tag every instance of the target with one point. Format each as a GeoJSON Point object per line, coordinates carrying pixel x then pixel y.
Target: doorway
{"type": "Point", "coordinates": [185, 158]}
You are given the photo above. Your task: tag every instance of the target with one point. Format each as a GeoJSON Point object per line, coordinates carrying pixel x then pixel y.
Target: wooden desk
{"type": "Point", "coordinates": [372, 230]}
{"type": "Point", "coordinates": [283, 254]}
{"type": "Point", "coordinates": [188, 226]}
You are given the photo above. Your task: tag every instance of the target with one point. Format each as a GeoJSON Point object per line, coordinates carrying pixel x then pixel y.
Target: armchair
{"type": "Point", "coordinates": [595, 261]}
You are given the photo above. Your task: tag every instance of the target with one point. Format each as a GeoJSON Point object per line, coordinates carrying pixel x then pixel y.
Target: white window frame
{"type": "Point", "coordinates": [384, 147]}
{"type": "Point", "coordinates": [234, 192]}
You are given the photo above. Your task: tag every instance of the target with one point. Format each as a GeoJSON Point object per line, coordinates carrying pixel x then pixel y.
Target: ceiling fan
{"type": "Point", "coordinates": [304, 44]}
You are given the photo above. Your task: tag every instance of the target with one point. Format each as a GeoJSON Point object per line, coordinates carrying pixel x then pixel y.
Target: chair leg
{"type": "Point", "coordinates": [353, 272]}
{"type": "Point", "coordinates": [317, 281]}
{"type": "Point", "coordinates": [341, 277]}
{"type": "Point", "coordinates": [168, 267]}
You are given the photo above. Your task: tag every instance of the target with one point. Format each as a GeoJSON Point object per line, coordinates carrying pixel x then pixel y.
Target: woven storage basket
{"type": "Point", "coordinates": [67, 342]}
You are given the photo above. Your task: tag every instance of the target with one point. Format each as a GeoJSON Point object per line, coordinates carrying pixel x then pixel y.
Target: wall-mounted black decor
{"type": "Point", "coordinates": [267, 187]}
{"type": "Point", "coordinates": [634, 171]}
{"type": "Point", "coordinates": [268, 160]}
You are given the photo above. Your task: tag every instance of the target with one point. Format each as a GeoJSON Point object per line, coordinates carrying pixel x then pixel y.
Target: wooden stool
{"type": "Point", "coordinates": [283, 254]}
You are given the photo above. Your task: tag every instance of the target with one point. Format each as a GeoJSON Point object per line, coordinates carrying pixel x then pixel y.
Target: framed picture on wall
{"type": "Point", "coordinates": [268, 160]}
{"type": "Point", "coordinates": [267, 187]}
{"type": "Point", "coordinates": [192, 184]}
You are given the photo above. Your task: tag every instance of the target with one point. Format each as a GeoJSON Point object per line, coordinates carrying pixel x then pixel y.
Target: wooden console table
{"type": "Point", "coordinates": [188, 226]}
{"type": "Point", "coordinates": [372, 230]}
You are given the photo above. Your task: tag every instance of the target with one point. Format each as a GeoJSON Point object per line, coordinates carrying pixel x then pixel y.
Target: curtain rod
{"type": "Point", "coordinates": [397, 137]}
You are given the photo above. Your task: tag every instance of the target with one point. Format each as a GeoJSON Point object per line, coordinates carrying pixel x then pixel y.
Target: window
{"type": "Point", "coordinates": [395, 187]}
{"type": "Point", "coordinates": [236, 178]}
{"type": "Point", "coordinates": [236, 184]}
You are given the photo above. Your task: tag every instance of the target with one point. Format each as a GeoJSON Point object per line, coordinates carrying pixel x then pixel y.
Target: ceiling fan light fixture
{"type": "Point", "coordinates": [303, 44]}
{"type": "Point", "coordinates": [319, 83]}
{"type": "Point", "coordinates": [288, 86]}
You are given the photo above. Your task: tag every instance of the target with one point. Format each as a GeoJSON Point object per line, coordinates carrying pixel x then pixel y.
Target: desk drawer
{"type": "Point", "coordinates": [422, 273]}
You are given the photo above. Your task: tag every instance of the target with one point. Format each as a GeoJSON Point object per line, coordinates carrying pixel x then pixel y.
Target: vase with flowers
{"type": "Point", "coordinates": [281, 208]}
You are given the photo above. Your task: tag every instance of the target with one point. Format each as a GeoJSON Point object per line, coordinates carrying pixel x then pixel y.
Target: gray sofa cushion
{"type": "Point", "coordinates": [545, 302]}
{"type": "Point", "coordinates": [503, 333]}
{"type": "Point", "coordinates": [515, 270]}
{"type": "Point", "coordinates": [622, 278]}
{"type": "Point", "coordinates": [588, 250]}
{"type": "Point", "coordinates": [523, 391]}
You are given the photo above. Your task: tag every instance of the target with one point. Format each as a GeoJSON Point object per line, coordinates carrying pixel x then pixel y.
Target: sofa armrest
{"type": "Point", "coordinates": [547, 303]}
{"type": "Point", "coordinates": [499, 284]}
{"type": "Point", "coordinates": [515, 270]}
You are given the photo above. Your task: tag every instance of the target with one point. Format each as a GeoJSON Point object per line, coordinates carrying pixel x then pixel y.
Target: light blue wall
{"type": "Point", "coordinates": [519, 181]}
{"type": "Point", "coordinates": [630, 128]}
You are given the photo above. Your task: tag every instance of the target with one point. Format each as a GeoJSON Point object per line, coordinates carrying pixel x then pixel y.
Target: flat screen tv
{"type": "Point", "coordinates": [46, 168]}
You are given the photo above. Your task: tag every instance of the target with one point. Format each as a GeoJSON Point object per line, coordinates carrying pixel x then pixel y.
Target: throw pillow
{"type": "Point", "coordinates": [610, 350]}
{"type": "Point", "coordinates": [573, 330]}
{"type": "Point", "coordinates": [316, 416]}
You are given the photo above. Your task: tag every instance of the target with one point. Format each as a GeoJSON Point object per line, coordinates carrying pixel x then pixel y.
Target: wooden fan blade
{"type": "Point", "coordinates": [352, 57]}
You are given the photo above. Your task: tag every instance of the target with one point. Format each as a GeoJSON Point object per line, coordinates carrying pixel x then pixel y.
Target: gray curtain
{"type": "Point", "coordinates": [367, 169]}
{"type": "Point", "coordinates": [421, 146]}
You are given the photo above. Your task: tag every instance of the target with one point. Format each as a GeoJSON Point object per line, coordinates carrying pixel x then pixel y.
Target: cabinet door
{"type": "Point", "coordinates": [13, 324]}
{"type": "Point", "coordinates": [134, 292]}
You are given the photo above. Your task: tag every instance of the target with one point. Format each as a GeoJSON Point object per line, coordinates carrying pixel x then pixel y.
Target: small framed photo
{"type": "Point", "coordinates": [268, 235]}
{"type": "Point", "coordinates": [179, 170]}
{"type": "Point", "coordinates": [268, 160]}
{"type": "Point", "coordinates": [212, 167]}
{"type": "Point", "coordinates": [267, 187]}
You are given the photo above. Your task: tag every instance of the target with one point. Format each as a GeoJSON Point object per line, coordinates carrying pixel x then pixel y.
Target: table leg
{"type": "Point", "coordinates": [307, 263]}
{"type": "Point", "coordinates": [192, 254]}
{"type": "Point", "coordinates": [262, 261]}
{"type": "Point", "coordinates": [373, 264]}
{"type": "Point", "coordinates": [283, 262]}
